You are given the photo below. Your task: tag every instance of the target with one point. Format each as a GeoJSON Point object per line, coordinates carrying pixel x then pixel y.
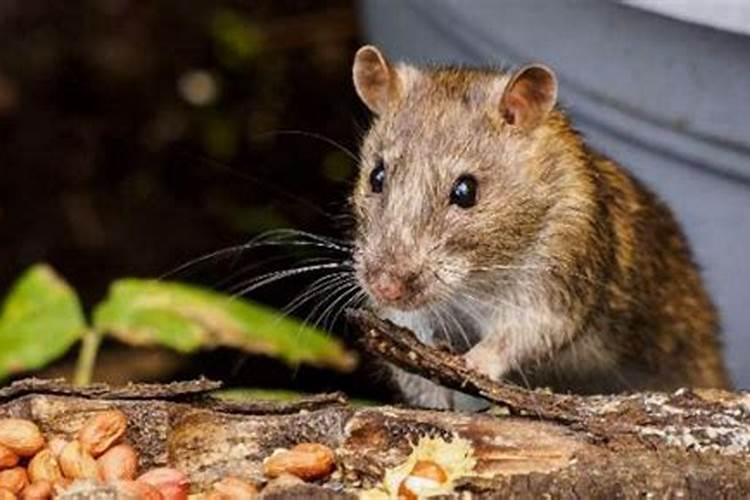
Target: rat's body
{"type": "Point", "coordinates": [486, 224]}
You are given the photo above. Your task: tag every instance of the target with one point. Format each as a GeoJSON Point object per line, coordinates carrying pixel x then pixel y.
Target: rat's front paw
{"type": "Point", "coordinates": [486, 361]}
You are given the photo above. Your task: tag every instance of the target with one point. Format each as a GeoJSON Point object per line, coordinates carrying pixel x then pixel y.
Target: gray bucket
{"type": "Point", "coordinates": [668, 99]}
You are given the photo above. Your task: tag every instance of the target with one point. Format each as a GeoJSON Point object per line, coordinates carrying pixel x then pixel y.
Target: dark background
{"type": "Point", "coordinates": [117, 159]}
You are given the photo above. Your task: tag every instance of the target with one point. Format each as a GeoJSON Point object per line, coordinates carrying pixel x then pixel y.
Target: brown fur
{"type": "Point", "coordinates": [567, 273]}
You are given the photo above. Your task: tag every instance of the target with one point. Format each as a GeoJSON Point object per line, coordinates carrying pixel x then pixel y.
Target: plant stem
{"type": "Point", "coordinates": [87, 357]}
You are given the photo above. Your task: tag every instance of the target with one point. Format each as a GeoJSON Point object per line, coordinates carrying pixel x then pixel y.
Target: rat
{"type": "Point", "coordinates": [487, 225]}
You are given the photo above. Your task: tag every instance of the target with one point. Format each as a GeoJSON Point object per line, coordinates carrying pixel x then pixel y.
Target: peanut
{"type": "Point", "coordinates": [307, 461]}
{"type": "Point", "coordinates": [425, 475]}
{"type": "Point", "coordinates": [77, 463]}
{"type": "Point", "coordinates": [118, 462]}
{"type": "Point", "coordinates": [135, 489]}
{"type": "Point", "coordinates": [14, 480]}
{"type": "Point", "coordinates": [232, 488]}
{"type": "Point", "coordinates": [8, 457]}
{"type": "Point", "coordinates": [22, 437]}
{"type": "Point", "coordinates": [39, 490]}
{"type": "Point", "coordinates": [429, 470]}
{"type": "Point", "coordinates": [44, 467]}
{"type": "Point", "coordinates": [171, 483]}
{"type": "Point", "coordinates": [102, 430]}
{"type": "Point", "coordinates": [56, 445]}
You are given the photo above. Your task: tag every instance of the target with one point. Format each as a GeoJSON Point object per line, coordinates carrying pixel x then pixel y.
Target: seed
{"type": "Point", "coordinates": [77, 463]}
{"type": "Point", "coordinates": [22, 437]}
{"type": "Point", "coordinates": [56, 445]}
{"type": "Point", "coordinates": [39, 490]}
{"type": "Point", "coordinates": [425, 476]}
{"type": "Point", "coordinates": [44, 467]}
{"type": "Point", "coordinates": [8, 458]}
{"type": "Point", "coordinates": [171, 483]}
{"type": "Point", "coordinates": [136, 489]}
{"type": "Point", "coordinates": [102, 430]}
{"type": "Point", "coordinates": [118, 462]}
{"type": "Point", "coordinates": [7, 494]}
{"type": "Point", "coordinates": [14, 480]}
{"type": "Point", "coordinates": [308, 461]}
{"type": "Point", "coordinates": [232, 488]}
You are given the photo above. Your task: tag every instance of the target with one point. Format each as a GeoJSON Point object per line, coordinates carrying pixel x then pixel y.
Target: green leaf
{"type": "Point", "coordinates": [40, 320]}
{"type": "Point", "coordinates": [187, 318]}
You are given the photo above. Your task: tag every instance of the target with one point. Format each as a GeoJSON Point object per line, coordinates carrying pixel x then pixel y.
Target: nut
{"type": "Point", "coordinates": [102, 430]}
{"type": "Point", "coordinates": [7, 494]}
{"type": "Point", "coordinates": [77, 463]}
{"type": "Point", "coordinates": [118, 462]}
{"type": "Point", "coordinates": [171, 483]}
{"type": "Point", "coordinates": [429, 470]}
{"type": "Point", "coordinates": [40, 490]}
{"type": "Point", "coordinates": [307, 461]}
{"type": "Point", "coordinates": [425, 476]}
{"type": "Point", "coordinates": [23, 437]}
{"type": "Point", "coordinates": [135, 489]}
{"type": "Point", "coordinates": [44, 467]}
{"type": "Point", "coordinates": [14, 480]}
{"type": "Point", "coordinates": [232, 488]}
{"type": "Point", "coordinates": [56, 444]}
{"type": "Point", "coordinates": [8, 457]}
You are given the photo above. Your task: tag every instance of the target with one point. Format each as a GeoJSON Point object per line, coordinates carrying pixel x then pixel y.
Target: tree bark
{"type": "Point", "coordinates": [686, 444]}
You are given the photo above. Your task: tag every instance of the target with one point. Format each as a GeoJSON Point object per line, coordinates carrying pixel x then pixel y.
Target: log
{"type": "Point", "coordinates": [534, 444]}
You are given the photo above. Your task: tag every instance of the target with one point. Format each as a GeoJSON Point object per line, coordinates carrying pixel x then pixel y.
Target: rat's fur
{"type": "Point", "coordinates": [568, 272]}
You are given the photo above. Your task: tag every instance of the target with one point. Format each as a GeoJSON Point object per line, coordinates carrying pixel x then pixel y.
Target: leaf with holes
{"type": "Point", "coordinates": [187, 318]}
{"type": "Point", "coordinates": [41, 318]}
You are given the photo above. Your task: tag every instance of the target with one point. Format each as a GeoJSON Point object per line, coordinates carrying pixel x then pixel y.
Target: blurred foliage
{"type": "Point", "coordinates": [146, 133]}
{"type": "Point", "coordinates": [237, 39]}
{"type": "Point", "coordinates": [137, 136]}
{"type": "Point", "coordinates": [41, 319]}
{"type": "Point", "coordinates": [187, 318]}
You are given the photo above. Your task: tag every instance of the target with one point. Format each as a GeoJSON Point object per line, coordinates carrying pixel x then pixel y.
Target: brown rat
{"type": "Point", "coordinates": [486, 223]}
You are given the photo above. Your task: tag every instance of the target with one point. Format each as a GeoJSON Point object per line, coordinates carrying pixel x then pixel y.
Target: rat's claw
{"type": "Point", "coordinates": [486, 360]}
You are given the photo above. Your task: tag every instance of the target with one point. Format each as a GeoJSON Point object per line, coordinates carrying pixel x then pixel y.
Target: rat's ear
{"type": "Point", "coordinates": [374, 78]}
{"type": "Point", "coordinates": [529, 96]}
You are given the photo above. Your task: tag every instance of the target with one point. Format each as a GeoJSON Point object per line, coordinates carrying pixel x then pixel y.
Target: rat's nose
{"type": "Point", "coordinates": [388, 287]}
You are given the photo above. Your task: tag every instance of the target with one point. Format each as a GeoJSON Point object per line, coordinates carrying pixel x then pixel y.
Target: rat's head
{"type": "Point", "coordinates": [454, 178]}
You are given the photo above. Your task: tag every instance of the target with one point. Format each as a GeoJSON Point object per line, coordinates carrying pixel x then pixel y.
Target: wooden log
{"type": "Point", "coordinates": [686, 444]}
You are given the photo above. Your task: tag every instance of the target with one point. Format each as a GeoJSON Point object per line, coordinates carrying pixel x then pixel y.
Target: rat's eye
{"type": "Point", "coordinates": [464, 191]}
{"type": "Point", "coordinates": [377, 177]}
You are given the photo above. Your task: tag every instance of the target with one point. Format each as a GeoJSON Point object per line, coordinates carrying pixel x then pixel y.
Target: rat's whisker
{"type": "Point", "coordinates": [355, 301]}
{"type": "Point", "coordinates": [236, 275]}
{"type": "Point", "coordinates": [291, 232]}
{"type": "Point", "coordinates": [352, 289]}
{"type": "Point", "coordinates": [274, 276]}
{"type": "Point", "coordinates": [441, 323]}
{"type": "Point", "coordinates": [316, 288]}
{"type": "Point", "coordinates": [236, 250]}
{"type": "Point", "coordinates": [333, 295]}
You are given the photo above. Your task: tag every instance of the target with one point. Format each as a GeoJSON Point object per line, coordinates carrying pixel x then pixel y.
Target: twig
{"type": "Point", "coordinates": [84, 371]}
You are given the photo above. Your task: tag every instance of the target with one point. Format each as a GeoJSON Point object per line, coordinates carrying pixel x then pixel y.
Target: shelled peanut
{"type": "Point", "coordinates": [32, 468]}
{"type": "Point", "coordinates": [35, 468]}
{"type": "Point", "coordinates": [307, 461]}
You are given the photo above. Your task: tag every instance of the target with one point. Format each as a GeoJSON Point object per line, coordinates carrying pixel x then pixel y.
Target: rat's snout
{"type": "Point", "coordinates": [391, 286]}
{"type": "Point", "coordinates": [388, 287]}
